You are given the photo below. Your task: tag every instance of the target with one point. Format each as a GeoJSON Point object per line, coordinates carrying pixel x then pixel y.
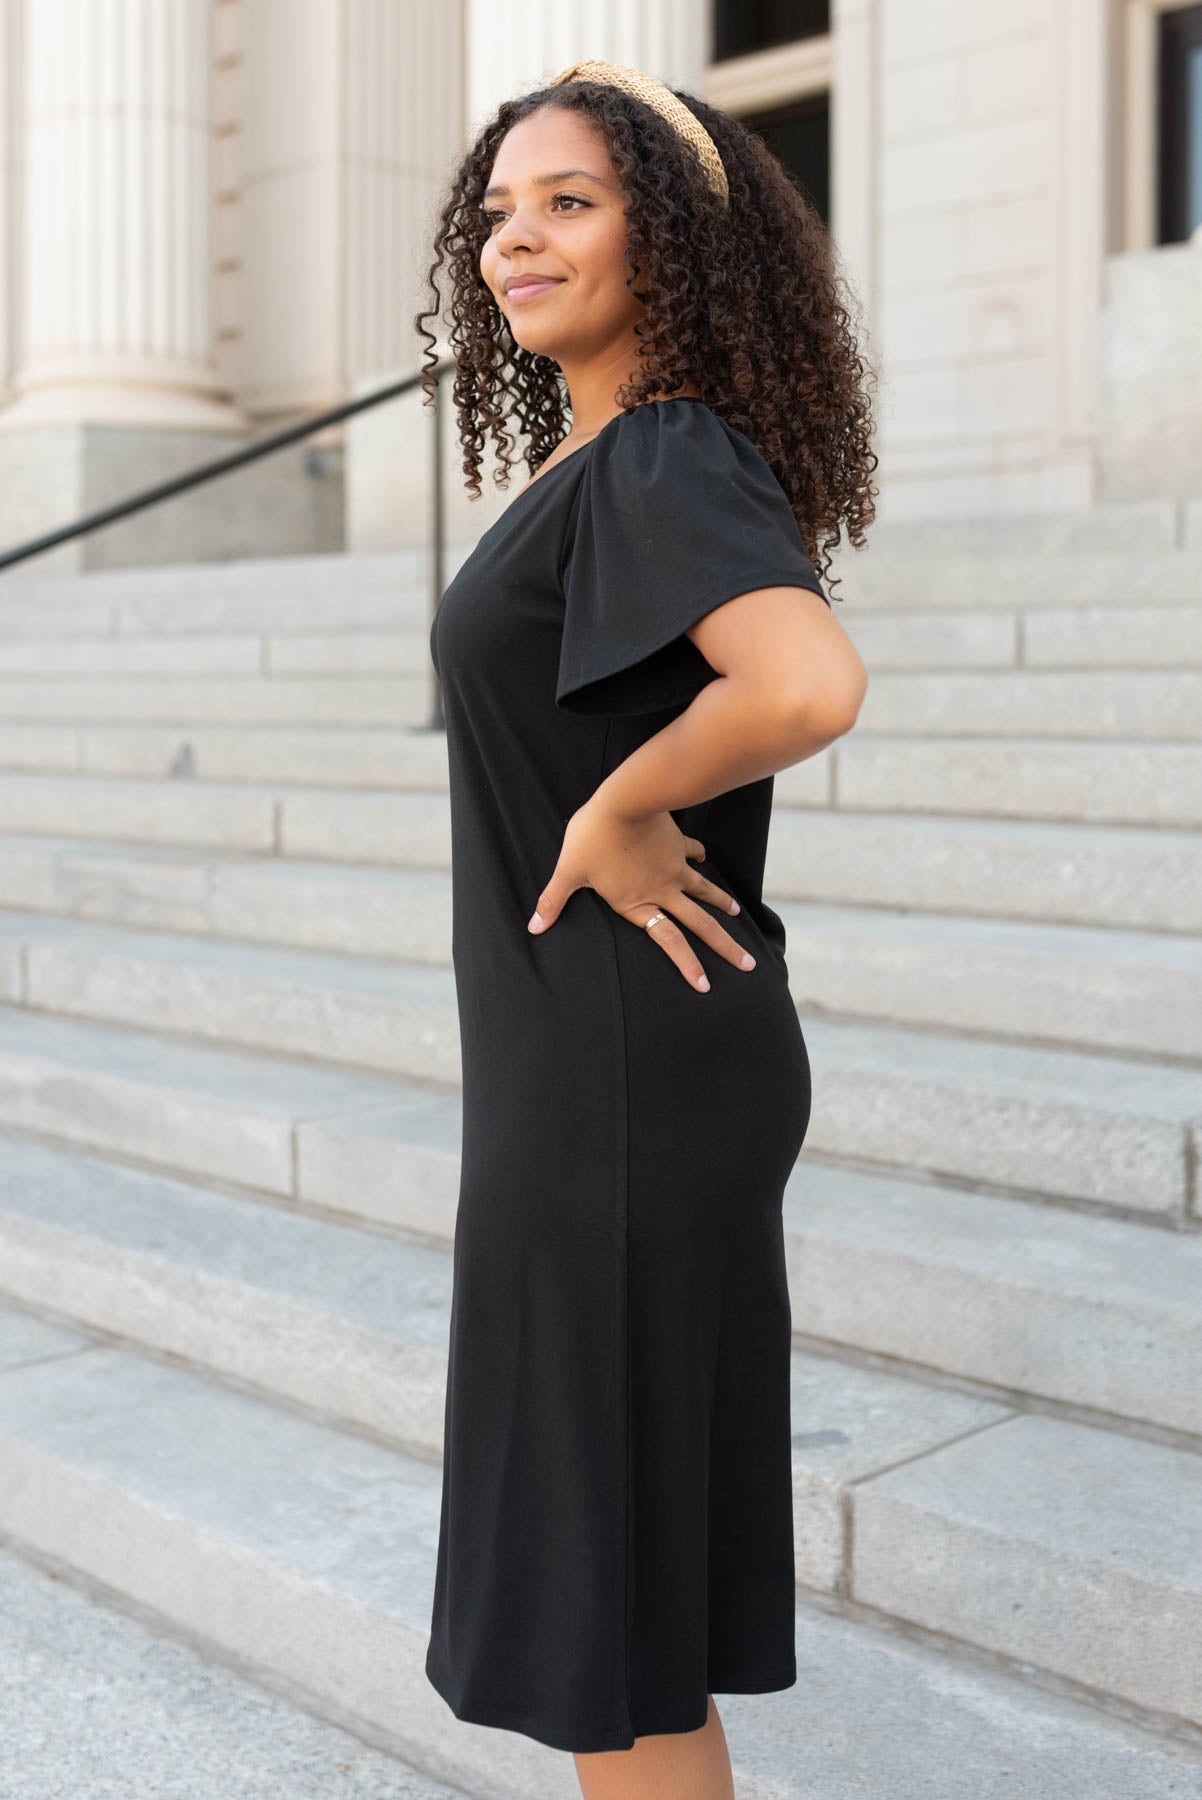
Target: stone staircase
{"type": "Point", "coordinates": [229, 1125]}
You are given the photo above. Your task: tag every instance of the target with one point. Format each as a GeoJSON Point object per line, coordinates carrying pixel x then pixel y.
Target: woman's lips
{"type": "Point", "coordinates": [526, 290]}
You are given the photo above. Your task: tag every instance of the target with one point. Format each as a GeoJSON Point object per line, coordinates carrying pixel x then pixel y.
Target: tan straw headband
{"type": "Point", "coordinates": [653, 93]}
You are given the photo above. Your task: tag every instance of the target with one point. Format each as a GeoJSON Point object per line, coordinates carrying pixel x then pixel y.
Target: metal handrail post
{"type": "Point", "coordinates": [436, 720]}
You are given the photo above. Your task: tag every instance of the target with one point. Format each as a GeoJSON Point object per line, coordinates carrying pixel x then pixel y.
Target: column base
{"type": "Point", "coordinates": [288, 503]}
{"type": "Point", "coordinates": [121, 403]}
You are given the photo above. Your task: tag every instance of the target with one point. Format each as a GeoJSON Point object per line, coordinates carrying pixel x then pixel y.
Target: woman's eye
{"type": "Point", "coordinates": [496, 212]}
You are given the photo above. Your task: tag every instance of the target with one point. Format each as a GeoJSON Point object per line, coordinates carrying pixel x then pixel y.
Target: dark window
{"type": "Point", "coordinates": [741, 26]}
{"type": "Point", "coordinates": [1180, 158]}
{"type": "Point", "coordinates": [799, 134]}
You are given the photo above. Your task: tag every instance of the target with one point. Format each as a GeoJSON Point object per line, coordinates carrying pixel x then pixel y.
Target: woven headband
{"type": "Point", "coordinates": [654, 93]}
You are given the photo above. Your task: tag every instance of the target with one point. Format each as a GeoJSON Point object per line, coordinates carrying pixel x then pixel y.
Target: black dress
{"type": "Point", "coordinates": [616, 1536]}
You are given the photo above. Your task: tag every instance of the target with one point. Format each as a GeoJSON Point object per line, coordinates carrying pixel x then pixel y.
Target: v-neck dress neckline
{"type": "Point", "coordinates": [660, 400]}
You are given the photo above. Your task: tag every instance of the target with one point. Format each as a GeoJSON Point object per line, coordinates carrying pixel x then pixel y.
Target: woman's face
{"type": "Point", "coordinates": [554, 210]}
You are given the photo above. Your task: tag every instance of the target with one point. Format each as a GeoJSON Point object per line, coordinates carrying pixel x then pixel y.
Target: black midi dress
{"type": "Point", "coordinates": [616, 1534]}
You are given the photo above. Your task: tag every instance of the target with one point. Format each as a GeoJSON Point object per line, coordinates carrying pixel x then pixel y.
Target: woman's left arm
{"type": "Point", "coordinates": [790, 683]}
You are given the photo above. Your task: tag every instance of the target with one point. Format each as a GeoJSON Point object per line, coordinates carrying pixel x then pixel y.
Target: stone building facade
{"type": "Point", "coordinates": [215, 219]}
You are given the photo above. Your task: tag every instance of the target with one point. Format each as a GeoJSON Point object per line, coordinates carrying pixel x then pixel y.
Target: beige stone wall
{"type": "Point", "coordinates": [250, 240]}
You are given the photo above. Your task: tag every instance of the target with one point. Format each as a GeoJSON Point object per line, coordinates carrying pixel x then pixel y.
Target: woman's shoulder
{"type": "Point", "coordinates": [678, 461]}
{"type": "Point", "coordinates": [684, 425]}
{"type": "Point", "coordinates": [679, 454]}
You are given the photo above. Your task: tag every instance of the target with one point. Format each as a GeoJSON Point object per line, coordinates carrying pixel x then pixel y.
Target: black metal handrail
{"type": "Point", "coordinates": [264, 446]}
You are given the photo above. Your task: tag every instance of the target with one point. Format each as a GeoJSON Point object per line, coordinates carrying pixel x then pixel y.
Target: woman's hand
{"type": "Point", "coordinates": [640, 867]}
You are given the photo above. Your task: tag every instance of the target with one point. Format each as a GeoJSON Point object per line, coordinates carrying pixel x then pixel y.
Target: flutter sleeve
{"type": "Point", "coordinates": [677, 512]}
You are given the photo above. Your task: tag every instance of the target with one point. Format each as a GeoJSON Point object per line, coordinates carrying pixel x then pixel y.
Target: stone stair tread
{"type": "Point", "coordinates": [1045, 1122]}
{"type": "Point", "coordinates": [1002, 578]}
{"type": "Point", "coordinates": [282, 698]}
{"type": "Point", "coordinates": [216, 1112]}
{"type": "Point", "coordinates": [1112, 986]}
{"type": "Point", "coordinates": [1065, 836]}
{"type": "Point", "coordinates": [1080, 781]}
{"type": "Point", "coordinates": [884, 928]}
{"type": "Point", "coordinates": [98, 1701]}
{"type": "Point", "coordinates": [1083, 1124]}
{"type": "Point", "coordinates": [1021, 1072]}
{"type": "Point", "coordinates": [385, 1287]}
{"type": "Point", "coordinates": [1178, 952]}
{"type": "Point", "coordinates": [267, 1535]}
{"type": "Point", "coordinates": [1128, 876]}
{"type": "Point", "coordinates": [1030, 1473]}
{"type": "Point", "coordinates": [381, 758]}
{"type": "Point", "coordinates": [392, 755]}
{"type": "Point", "coordinates": [1164, 705]}
{"type": "Point", "coordinates": [1151, 524]}
{"type": "Point", "coordinates": [947, 1279]}
{"type": "Point", "coordinates": [158, 787]}
{"type": "Point", "coordinates": [237, 1080]}
{"type": "Point", "coordinates": [1086, 1548]}
{"type": "Point", "coordinates": [1069, 1307]}
{"type": "Point", "coordinates": [1118, 1262]}
{"type": "Point", "coordinates": [269, 965]}
{"type": "Point", "coordinates": [265, 1295]}
{"type": "Point", "coordinates": [1123, 1264]}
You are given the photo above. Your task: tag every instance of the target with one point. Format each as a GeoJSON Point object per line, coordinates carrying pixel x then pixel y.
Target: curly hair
{"type": "Point", "coordinates": [745, 301]}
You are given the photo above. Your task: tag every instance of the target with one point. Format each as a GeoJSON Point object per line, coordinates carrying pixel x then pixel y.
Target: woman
{"type": "Point", "coordinates": [626, 657]}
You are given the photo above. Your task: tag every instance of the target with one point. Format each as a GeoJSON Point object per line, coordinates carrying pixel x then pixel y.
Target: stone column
{"type": "Point", "coordinates": [10, 166]}
{"type": "Point", "coordinates": [115, 314]}
{"type": "Point", "coordinates": [518, 44]}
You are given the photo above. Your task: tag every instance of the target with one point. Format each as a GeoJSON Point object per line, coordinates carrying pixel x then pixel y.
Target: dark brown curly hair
{"type": "Point", "coordinates": [746, 303]}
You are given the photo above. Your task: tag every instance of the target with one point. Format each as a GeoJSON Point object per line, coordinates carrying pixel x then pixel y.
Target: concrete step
{"type": "Point", "coordinates": [1047, 1301]}
{"type": "Point", "coordinates": [1051, 1124]}
{"type": "Point", "coordinates": [1112, 875]}
{"type": "Point", "coordinates": [377, 1013]}
{"type": "Point", "coordinates": [1076, 986]}
{"type": "Point", "coordinates": [1059, 703]}
{"type": "Point", "coordinates": [1086, 1312]}
{"type": "Point", "coordinates": [1054, 1124]}
{"type": "Point", "coordinates": [1085, 1548]}
{"type": "Point", "coordinates": [338, 1317]}
{"type": "Point", "coordinates": [1138, 993]}
{"type": "Point", "coordinates": [1035, 1303]}
{"type": "Point", "coordinates": [877, 580]}
{"type": "Point", "coordinates": [1165, 637]}
{"type": "Point", "coordinates": [245, 593]}
{"type": "Point", "coordinates": [98, 1701]}
{"type": "Point", "coordinates": [350, 653]}
{"type": "Point", "coordinates": [222, 1114]}
{"type": "Point", "coordinates": [1107, 875]}
{"type": "Point", "coordinates": [1034, 778]}
{"type": "Point", "coordinates": [1065, 637]}
{"type": "Point", "coordinates": [275, 819]}
{"type": "Point", "coordinates": [1109, 525]}
{"type": "Point", "coordinates": [270, 1536]}
{"type": "Point", "coordinates": [1050, 779]}
{"type": "Point", "coordinates": [368, 756]}
{"type": "Point", "coordinates": [230, 700]}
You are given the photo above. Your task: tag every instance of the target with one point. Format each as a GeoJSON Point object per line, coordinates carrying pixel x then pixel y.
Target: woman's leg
{"type": "Point", "coordinates": [673, 1765]}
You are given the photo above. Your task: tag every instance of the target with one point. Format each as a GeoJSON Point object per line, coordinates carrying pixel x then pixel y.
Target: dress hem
{"type": "Point", "coordinates": [499, 1718]}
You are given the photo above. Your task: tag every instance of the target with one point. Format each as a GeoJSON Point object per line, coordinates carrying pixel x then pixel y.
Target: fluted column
{"type": "Point", "coordinates": [115, 322]}
{"type": "Point", "coordinates": [518, 44]}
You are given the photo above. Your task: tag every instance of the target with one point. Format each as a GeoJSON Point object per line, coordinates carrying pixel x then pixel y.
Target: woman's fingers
{"type": "Point", "coordinates": [702, 889]}
{"type": "Point", "coordinates": [673, 942]}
